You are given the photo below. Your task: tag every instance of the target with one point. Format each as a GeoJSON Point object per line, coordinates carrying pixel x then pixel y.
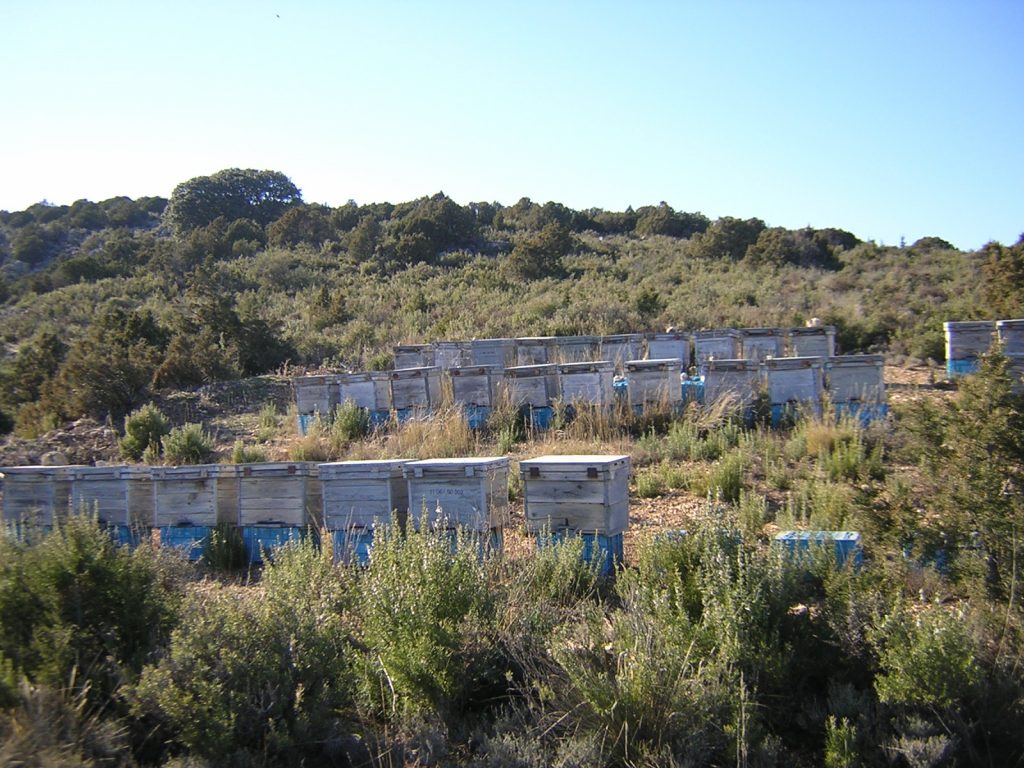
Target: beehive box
{"type": "Point", "coordinates": [620, 347]}
{"type": "Point", "coordinates": [533, 350]}
{"type": "Point", "coordinates": [368, 389]}
{"type": "Point", "coordinates": [452, 354]}
{"type": "Point", "coordinates": [575, 349]}
{"type": "Point", "coordinates": [116, 495]}
{"type": "Point", "coordinates": [587, 383]}
{"type": "Point", "coordinates": [414, 356]}
{"type": "Point", "coordinates": [471, 494]}
{"type": "Point", "coordinates": [533, 385]}
{"type": "Point", "coordinates": [361, 494]}
{"type": "Point", "coordinates": [603, 552]}
{"type": "Point", "coordinates": [846, 546]}
{"type": "Point", "coordinates": [589, 494]}
{"type": "Point", "coordinates": [37, 495]}
{"type": "Point", "coordinates": [670, 345]}
{"type": "Point", "coordinates": [795, 381]}
{"type": "Point", "coordinates": [654, 382]}
{"type": "Point", "coordinates": [476, 385]}
{"type": "Point", "coordinates": [722, 344]}
{"type": "Point", "coordinates": [737, 380]}
{"type": "Point", "coordinates": [199, 496]}
{"type": "Point", "coordinates": [278, 493]}
{"type": "Point", "coordinates": [818, 341]}
{"type": "Point", "coordinates": [262, 541]}
{"type": "Point", "coordinates": [762, 343]}
{"type": "Point", "coordinates": [1011, 337]}
{"type": "Point", "coordinates": [416, 388]}
{"type": "Point", "coordinates": [968, 340]}
{"type": "Point", "coordinates": [500, 353]}
{"type": "Point", "coordinates": [1017, 373]}
{"type": "Point", "coordinates": [855, 378]}
{"type": "Point", "coordinates": [316, 394]}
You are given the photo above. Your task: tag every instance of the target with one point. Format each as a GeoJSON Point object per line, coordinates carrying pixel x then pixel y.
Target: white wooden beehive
{"type": "Point", "coordinates": [119, 495]}
{"type": "Point", "coordinates": [278, 493]}
{"type": "Point", "coordinates": [360, 494]}
{"type": "Point", "coordinates": [470, 493]}
{"type": "Point", "coordinates": [587, 383]}
{"type": "Point", "coordinates": [589, 494]}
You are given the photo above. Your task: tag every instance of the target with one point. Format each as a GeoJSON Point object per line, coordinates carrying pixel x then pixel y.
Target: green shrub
{"type": "Point", "coordinates": [225, 550]}
{"type": "Point", "coordinates": [188, 444]}
{"type": "Point", "coordinates": [840, 743]}
{"type": "Point", "coordinates": [350, 422]}
{"type": "Point", "coordinates": [243, 454]}
{"type": "Point", "coordinates": [726, 478]}
{"type": "Point", "coordinates": [257, 680]}
{"type": "Point", "coordinates": [143, 428]}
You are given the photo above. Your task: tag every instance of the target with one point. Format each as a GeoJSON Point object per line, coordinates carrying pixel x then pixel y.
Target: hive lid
{"type": "Point", "coordinates": [459, 466]}
{"type": "Point", "coordinates": [363, 468]}
{"type": "Point", "coordinates": [585, 460]}
{"type": "Point", "coordinates": [116, 472]}
{"type": "Point", "coordinates": [523, 371]}
{"type": "Point", "coordinates": [792, 363]}
{"type": "Point", "coordinates": [276, 469]}
{"type": "Point", "coordinates": [657, 364]}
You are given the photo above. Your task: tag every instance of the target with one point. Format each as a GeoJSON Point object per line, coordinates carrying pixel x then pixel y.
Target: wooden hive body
{"type": "Point", "coordinates": [575, 349]}
{"type": "Point", "coordinates": [734, 379]}
{"type": "Point", "coordinates": [587, 383]}
{"type": "Point", "coordinates": [589, 494]}
{"type": "Point", "coordinates": [969, 339]}
{"type": "Point", "coordinates": [812, 342]}
{"type": "Point", "coordinates": [534, 385]}
{"type": "Point", "coordinates": [416, 388]}
{"type": "Point", "coordinates": [795, 380]}
{"type": "Point", "coordinates": [620, 347]}
{"type": "Point", "coordinates": [762, 343]}
{"type": "Point", "coordinates": [117, 495]}
{"type": "Point", "coordinates": [368, 389]}
{"type": "Point", "coordinates": [654, 381]}
{"type": "Point", "coordinates": [413, 356]}
{"type": "Point", "coordinates": [202, 495]}
{"type": "Point", "coordinates": [476, 385]}
{"type": "Point", "coordinates": [471, 494]}
{"type": "Point", "coordinates": [452, 354]}
{"type": "Point", "coordinates": [500, 353]}
{"type": "Point", "coordinates": [855, 378]}
{"type": "Point", "coordinates": [316, 394]}
{"type": "Point", "coordinates": [722, 344]}
{"type": "Point", "coordinates": [671, 345]}
{"type": "Point", "coordinates": [533, 350]}
{"type": "Point", "coordinates": [361, 494]}
{"type": "Point", "coordinates": [278, 493]}
{"type": "Point", "coordinates": [1011, 337]}
{"type": "Point", "coordinates": [37, 495]}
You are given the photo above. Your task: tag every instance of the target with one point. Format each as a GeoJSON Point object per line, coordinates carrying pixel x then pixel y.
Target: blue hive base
{"type": "Point", "coordinates": [598, 548]}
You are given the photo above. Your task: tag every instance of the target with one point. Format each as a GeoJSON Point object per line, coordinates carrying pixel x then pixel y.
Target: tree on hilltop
{"type": "Point", "coordinates": [262, 196]}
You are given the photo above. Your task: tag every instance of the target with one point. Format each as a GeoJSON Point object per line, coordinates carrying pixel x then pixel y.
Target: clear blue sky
{"type": "Point", "coordinates": [889, 119]}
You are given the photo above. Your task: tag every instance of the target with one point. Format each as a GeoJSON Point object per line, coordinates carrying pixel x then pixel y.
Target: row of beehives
{"type": "Point", "coordinates": [967, 341]}
{"type": "Point", "coordinates": [847, 379]}
{"type": "Point", "coordinates": [586, 493]}
{"type": "Point", "coordinates": [698, 347]}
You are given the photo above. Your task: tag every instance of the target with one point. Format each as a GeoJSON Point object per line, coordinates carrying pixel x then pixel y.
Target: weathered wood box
{"type": "Point", "coordinates": [120, 495]}
{"type": "Point", "coordinates": [452, 354]}
{"type": "Point", "coordinates": [575, 349]}
{"type": "Point", "coordinates": [413, 356]}
{"type": "Point", "coordinates": [654, 382]}
{"type": "Point", "coordinates": [477, 385]}
{"type": "Point", "coordinates": [500, 353]}
{"type": "Point", "coordinates": [199, 496]}
{"type": "Point", "coordinates": [418, 389]}
{"type": "Point", "coordinates": [721, 344]}
{"type": "Point", "coordinates": [37, 495]}
{"type": "Point", "coordinates": [367, 389]}
{"type": "Point", "coordinates": [966, 342]}
{"type": "Point", "coordinates": [815, 341]}
{"type": "Point", "coordinates": [620, 347]}
{"type": "Point", "coordinates": [795, 380]}
{"type": "Point", "coordinates": [533, 385]}
{"type": "Point", "coordinates": [737, 380]}
{"type": "Point", "coordinates": [589, 494]}
{"type": "Point", "coordinates": [316, 394]}
{"type": "Point", "coordinates": [276, 493]}
{"type": "Point", "coordinates": [587, 383]}
{"type": "Point", "coordinates": [471, 494]}
{"type": "Point", "coordinates": [670, 345]}
{"type": "Point", "coordinates": [361, 494]}
{"type": "Point", "coordinates": [533, 350]}
{"type": "Point", "coordinates": [762, 343]}
{"type": "Point", "coordinates": [1011, 337]}
{"type": "Point", "coordinates": [855, 378]}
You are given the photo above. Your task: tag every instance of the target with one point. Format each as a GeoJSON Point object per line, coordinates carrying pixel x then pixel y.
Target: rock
{"type": "Point", "coordinates": [53, 459]}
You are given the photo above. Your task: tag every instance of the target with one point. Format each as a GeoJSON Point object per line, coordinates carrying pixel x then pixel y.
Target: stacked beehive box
{"type": "Point", "coordinates": [587, 384]}
{"type": "Point", "coordinates": [476, 389]}
{"type": "Point", "coordinates": [620, 347]}
{"type": "Point", "coordinates": [794, 384]}
{"type": "Point", "coordinates": [533, 389]}
{"type": "Point", "coordinates": [414, 356]}
{"type": "Point", "coordinates": [315, 396]}
{"type": "Point", "coordinates": [36, 497]}
{"type": "Point", "coordinates": [966, 342]}
{"type": "Point", "coordinates": [358, 497]}
{"type": "Point", "coordinates": [469, 494]}
{"type": "Point", "coordinates": [533, 350]}
{"type": "Point", "coordinates": [574, 349]}
{"type": "Point", "coordinates": [415, 391]}
{"type": "Point", "coordinates": [276, 503]}
{"type": "Point", "coordinates": [584, 496]}
{"type": "Point", "coordinates": [189, 501]}
{"type": "Point", "coordinates": [121, 497]}
{"type": "Point", "coordinates": [369, 390]}
{"type": "Point", "coordinates": [856, 386]}
{"type": "Point", "coordinates": [498, 353]}
{"type": "Point", "coordinates": [815, 341]}
{"type": "Point", "coordinates": [761, 343]}
{"type": "Point", "coordinates": [654, 383]}
{"type": "Point", "coordinates": [737, 381]}
{"type": "Point", "coordinates": [670, 345]}
{"type": "Point", "coordinates": [722, 344]}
